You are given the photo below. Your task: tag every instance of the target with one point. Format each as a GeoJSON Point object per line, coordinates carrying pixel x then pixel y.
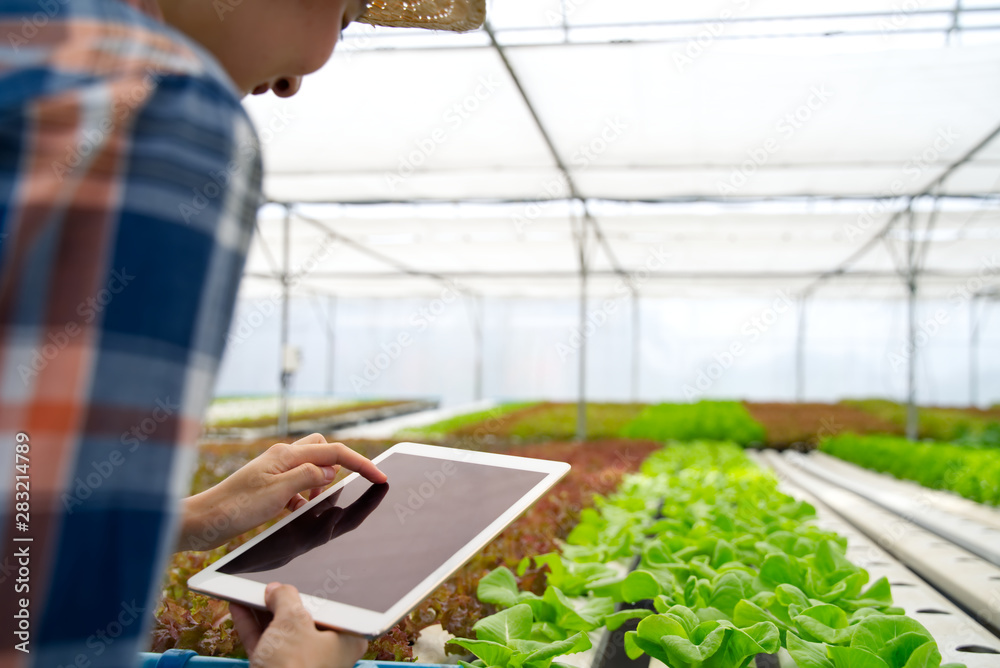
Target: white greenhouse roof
{"type": "Point", "coordinates": [760, 145]}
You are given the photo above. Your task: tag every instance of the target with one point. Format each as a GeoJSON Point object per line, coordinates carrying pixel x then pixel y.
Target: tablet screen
{"type": "Point", "coordinates": [368, 545]}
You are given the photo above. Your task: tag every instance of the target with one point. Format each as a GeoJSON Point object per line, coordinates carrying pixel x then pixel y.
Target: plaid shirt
{"type": "Point", "coordinates": [129, 181]}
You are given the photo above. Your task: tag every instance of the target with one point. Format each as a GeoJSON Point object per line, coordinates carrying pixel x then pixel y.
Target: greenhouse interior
{"type": "Point", "coordinates": [736, 262]}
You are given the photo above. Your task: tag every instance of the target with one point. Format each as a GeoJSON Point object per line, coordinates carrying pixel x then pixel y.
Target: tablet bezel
{"type": "Point", "coordinates": [370, 623]}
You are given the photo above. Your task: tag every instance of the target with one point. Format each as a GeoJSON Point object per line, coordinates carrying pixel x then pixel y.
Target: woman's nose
{"type": "Point", "coordinates": [287, 86]}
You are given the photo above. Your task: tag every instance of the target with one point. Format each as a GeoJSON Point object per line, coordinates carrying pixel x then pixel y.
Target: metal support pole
{"type": "Point", "coordinates": [800, 352]}
{"type": "Point", "coordinates": [479, 307]}
{"type": "Point", "coordinates": [973, 353]}
{"type": "Point", "coordinates": [331, 342]}
{"type": "Point", "coordinates": [581, 403]}
{"type": "Point", "coordinates": [636, 322]}
{"type": "Point", "coordinates": [285, 293]}
{"type": "Point", "coordinates": [912, 417]}
{"type": "Point", "coordinates": [565, 21]}
{"type": "Point", "coordinates": [956, 21]}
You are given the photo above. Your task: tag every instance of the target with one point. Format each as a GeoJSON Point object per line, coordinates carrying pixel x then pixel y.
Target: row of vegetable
{"type": "Point", "coordinates": [800, 425]}
{"type": "Point", "coordinates": [527, 423]}
{"type": "Point", "coordinates": [733, 568]}
{"type": "Point", "coordinates": [710, 420]}
{"type": "Point", "coordinates": [969, 426]}
{"type": "Point", "coordinates": [521, 423]}
{"type": "Point", "coordinates": [256, 412]}
{"type": "Point", "coordinates": [971, 472]}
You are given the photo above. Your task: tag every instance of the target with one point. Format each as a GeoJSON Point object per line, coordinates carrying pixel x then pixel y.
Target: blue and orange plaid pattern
{"type": "Point", "coordinates": [129, 181]}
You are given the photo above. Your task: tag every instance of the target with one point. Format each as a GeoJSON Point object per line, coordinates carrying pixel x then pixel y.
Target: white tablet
{"type": "Point", "coordinates": [363, 555]}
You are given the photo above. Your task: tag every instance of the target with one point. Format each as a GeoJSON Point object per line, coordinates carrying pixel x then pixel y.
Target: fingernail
{"type": "Point", "coordinates": [270, 588]}
{"type": "Point", "coordinates": [329, 472]}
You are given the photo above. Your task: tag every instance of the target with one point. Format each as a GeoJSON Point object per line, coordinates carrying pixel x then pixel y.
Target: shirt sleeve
{"type": "Point", "coordinates": [127, 227]}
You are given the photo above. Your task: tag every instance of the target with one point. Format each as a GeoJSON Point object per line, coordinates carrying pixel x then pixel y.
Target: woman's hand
{"type": "Point", "coordinates": [290, 639]}
{"type": "Point", "coordinates": [260, 490]}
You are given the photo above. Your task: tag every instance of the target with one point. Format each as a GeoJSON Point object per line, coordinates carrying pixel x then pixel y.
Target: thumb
{"type": "Point", "coordinates": [284, 601]}
{"type": "Point", "coordinates": [305, 476]}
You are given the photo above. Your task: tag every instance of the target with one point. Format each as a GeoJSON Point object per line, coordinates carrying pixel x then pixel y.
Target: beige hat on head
{"type": "Point", "coordinates": [458, 15]}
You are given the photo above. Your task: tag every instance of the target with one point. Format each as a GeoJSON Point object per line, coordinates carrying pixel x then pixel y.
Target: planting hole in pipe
{"type": "Point", "coordinates": [767, 661]}
{"type": "Point", "coordinates": [977, 649]}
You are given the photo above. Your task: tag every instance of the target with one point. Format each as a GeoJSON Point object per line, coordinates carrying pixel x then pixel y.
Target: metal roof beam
{"type": "Point", "coordinates": [936, 184]}
{"type": "Point", "coordinates": [773, 19]}
{"type": "Point", "coordinates": [400, 267]}
{"type": "Point", "coordinates": [725, 37]}
{"type": "Point", "coordinates": [653, 276]}
{"type": "Point", "coordinates": [563, 169]}
{"type": "Point", "coordinates": [680, 199]}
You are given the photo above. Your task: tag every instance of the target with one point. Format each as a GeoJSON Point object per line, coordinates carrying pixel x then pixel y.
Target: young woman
{"type": "Point", "coordinates": [129, 182]}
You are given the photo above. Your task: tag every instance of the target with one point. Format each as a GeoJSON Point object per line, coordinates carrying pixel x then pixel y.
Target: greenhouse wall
{"type": "Point", "coordinates": [689, 349]}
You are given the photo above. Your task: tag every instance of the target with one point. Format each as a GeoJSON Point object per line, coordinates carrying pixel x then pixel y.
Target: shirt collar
{"type": "Point", "coordinates": [149, 7]}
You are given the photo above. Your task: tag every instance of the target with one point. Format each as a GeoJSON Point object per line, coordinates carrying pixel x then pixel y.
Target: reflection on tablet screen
{"type": "Point", "coordinates": [368, 545]}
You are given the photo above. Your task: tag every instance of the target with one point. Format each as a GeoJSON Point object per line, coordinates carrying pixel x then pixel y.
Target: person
{"type": "Point", "coordinates": [251, 496]}
{"type": "Point", "coordinates": [130, 177]}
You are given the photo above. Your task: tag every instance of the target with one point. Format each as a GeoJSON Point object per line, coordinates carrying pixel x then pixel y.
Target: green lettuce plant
{"type": "Point", "coordinates": [875, 641]}
{"type": "Point", "coordinates": [733, 567]}
{"type": "Point", "coordinates": [710, 420]}
{"type": "Point", "coordinates": [504, 640]}
{"type": "Point", "coordinates": [972, 473]}
{"type": "Point", "coordinates": [681, 639]}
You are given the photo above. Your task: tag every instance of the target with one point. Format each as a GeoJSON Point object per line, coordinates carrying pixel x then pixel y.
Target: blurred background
{"type": "Point", "coordinates": [633, 186]}
{"type": "Point", "coordinates": [597, 226]}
